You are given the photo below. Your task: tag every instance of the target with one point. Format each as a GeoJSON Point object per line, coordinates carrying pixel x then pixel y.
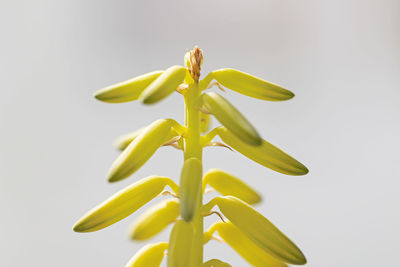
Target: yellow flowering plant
{"type": "Point", "coordinates": [241, 226]}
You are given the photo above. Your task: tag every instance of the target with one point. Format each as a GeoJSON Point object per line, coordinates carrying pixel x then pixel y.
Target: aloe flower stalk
{"type": "Point", "coordinates": [241, 226]}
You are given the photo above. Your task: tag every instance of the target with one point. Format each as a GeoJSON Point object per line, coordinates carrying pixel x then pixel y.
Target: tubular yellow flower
{"type": "Point", "coordinates": [141, 149]}
{"type": "Point", "coordinates": [155, 219]}
{"type": "Point", "coordinates": [231, 118]}
{"type": "Point", "coordinates": [149, 255]}
{"type": "Point", "coordinates": [180, 244]}
{"type": "Point", "coordinates": [190, 189]}
{"type": "Point", "coordinates": [123, 203]}
{"type": "Point", "coordinates": [260, 230]}
{"type": "Point", "coordinates": [164, 85]}
{"type": "Point", "coordinates": [266, 154]}
{"type": "Point", "coordinates": [245, 247]}
{"type": "Point", "coordinates": [228, 184]}
{"type": "Point", "coordinates": [128, 90]}
{"type": "Point", "coordinates": [247, 84]}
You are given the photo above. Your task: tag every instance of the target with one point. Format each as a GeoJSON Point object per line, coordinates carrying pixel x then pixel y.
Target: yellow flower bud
{"type": "Point", "coordinates": [141, 149]}
{"type": "Point", "coordinates": [149, 255]}
{"type": "Point", "coordinates": [266, 154]}
{"type": "Point", "coordinates": [260, 230]}
{"type": "Point", "coordinates": [190, 188]}
{"type": "Point", "coordinates": [155, 219]}
{"type": "Point", "coordinates": [231, 118]}
{"type": "Point", "coordinates": [230, 185]}
{"type": "Point", "coordinates": [164, 85]}
{"type": "Point", "coordinates": [123, 203]}
{"type": "Point", "coordinates": [128, 90]}
{"type": "Point", "coordinates": [180, 244]}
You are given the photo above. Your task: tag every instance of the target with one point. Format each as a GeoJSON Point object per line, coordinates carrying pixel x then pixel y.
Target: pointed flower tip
{"type": "Point", "coordinates": [289, 95]}
{"type": "Point", "coordinates": [113, 177]}
{"type": "Point", "coordinates": [77, 228]}
{"type": "Point", "coordinates": [80, 227]}
{"type": "Point", "coordinates": [302, 260]}
{"type": "Point", "coordinates": [257, 141]}
{"type": "Point", "coordinates": [98, 94]}
{"type": "Point", "coordinates": [303, 170]}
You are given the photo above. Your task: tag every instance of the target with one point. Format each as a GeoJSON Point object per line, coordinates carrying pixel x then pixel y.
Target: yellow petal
{"type": "Point", "coordinates": [190, 188]}
{"type": "Point", "coordinates": [141, 149]}
{"type": "Point", "coordinates": [231, 118]}
{"type": "Point", "coordinates": [266, 154]}
{"type": "Point", "coordinates": [250, 85]}
{"type": "Point", "coordinates": [149, 255]}
{"type": "Point", "coordinates": [164, 85]}
{"type": "Point", "coordinates": [123, 203]}
{"type": "Point", "coordinates": [246, 247]}
{"type": "Point", "coordinates": [124, 140]}
{"type": "Point", "coordinates": [155, 219]}
{"type": "Point", "coordinates": [228, 184]}
{"type": "Point", "coordinates": [260, 230]}
{"type": "Point", "coordinates": [205, 121]}
{"type": "Point", "coordinates": [180, 244]}
{"type": "Point", "coordinates": [216, 263]}
{"type": "Point", "coordinates": [128, 90]}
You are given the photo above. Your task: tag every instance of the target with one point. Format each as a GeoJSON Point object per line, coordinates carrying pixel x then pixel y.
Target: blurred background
{"type": "Point", "coordinates": [340, 58]}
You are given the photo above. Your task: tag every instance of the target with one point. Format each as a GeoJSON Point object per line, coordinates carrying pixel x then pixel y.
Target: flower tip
{"type": "Point", "coordinates": [301, 259]}
{"type": "Point", "coordinates": [99, 95]}
{"type": "Point", "coordinates": [257, 199]}
{"type": "Point", "coordinates": [303, 170]}
{"type": "Point", "coordinates": [113, 178]}
{"type": "Point", "coordinates": [78, 227]}
{"type": "Point", "coordinates": [135, 236]}
{"type": "Point", "coordinates": [148, 101]}
{"type": "Point", "coordinates": [255, 141]}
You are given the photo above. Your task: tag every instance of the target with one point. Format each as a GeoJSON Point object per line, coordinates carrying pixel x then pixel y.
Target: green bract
{"type": "Point", "coordinates": [248, 232]}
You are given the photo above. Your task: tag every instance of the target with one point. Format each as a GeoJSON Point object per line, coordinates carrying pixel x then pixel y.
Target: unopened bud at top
{"type": "Point", "coordinates": [193, 61]}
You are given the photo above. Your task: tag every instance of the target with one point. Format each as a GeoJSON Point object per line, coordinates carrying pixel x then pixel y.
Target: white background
{"type": "Point", "coordinates": [340, 58]}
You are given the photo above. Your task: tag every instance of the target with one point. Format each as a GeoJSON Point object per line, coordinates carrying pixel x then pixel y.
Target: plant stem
{"type": "Point", "coordinates": [193, 148]}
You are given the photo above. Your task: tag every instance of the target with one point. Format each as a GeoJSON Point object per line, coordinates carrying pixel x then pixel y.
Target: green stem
{"type": "Point", "coordinates": [193, 148]}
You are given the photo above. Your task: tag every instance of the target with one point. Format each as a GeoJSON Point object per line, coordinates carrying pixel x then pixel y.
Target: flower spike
{"type": "Point", "coordinates": [250, 234]}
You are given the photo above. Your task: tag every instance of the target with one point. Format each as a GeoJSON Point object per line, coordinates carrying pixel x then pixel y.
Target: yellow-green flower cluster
{"type": "Point", "coordinates": [243, 228]}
